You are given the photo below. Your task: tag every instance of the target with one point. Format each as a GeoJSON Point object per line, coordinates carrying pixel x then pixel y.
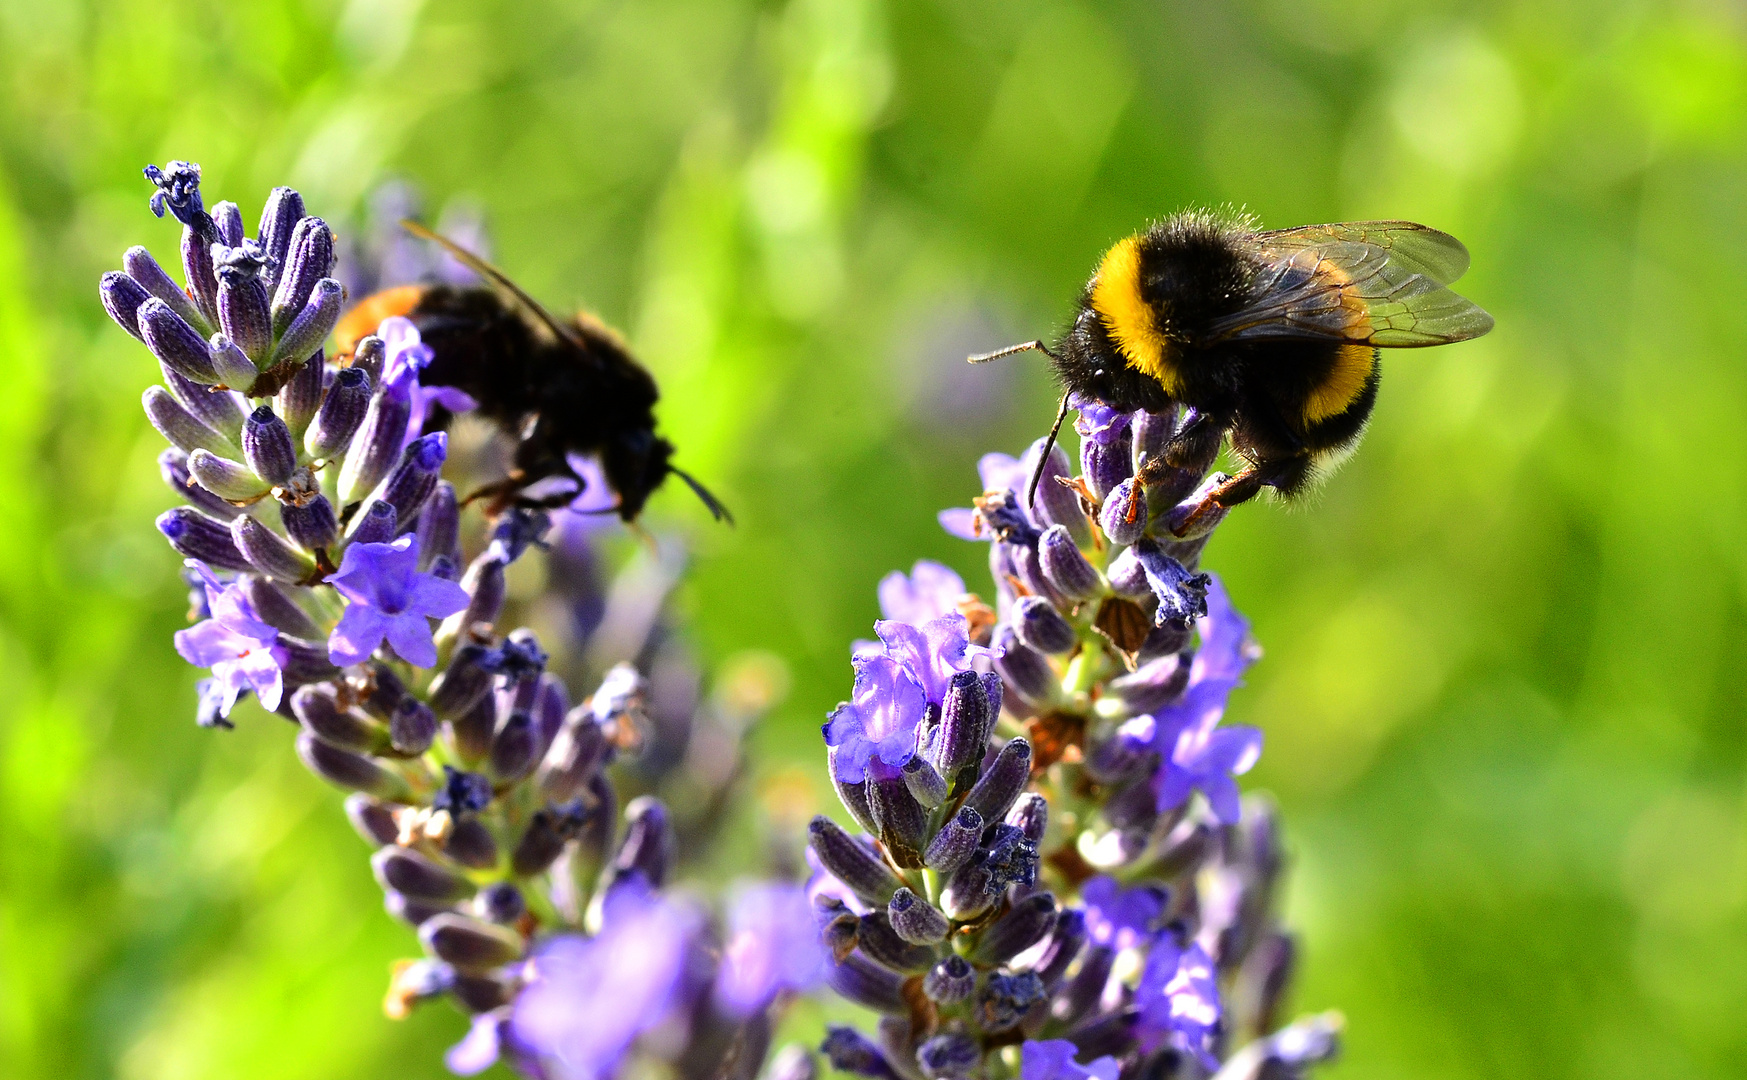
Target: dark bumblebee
{"type": "Point", "coordinates": [555, 387]}
{"type": "Point", "coordinates": [1272, 337]}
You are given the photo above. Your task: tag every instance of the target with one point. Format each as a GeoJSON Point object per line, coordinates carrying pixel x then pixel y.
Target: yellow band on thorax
{"type": "Point", "coordinates": [1128, 318]}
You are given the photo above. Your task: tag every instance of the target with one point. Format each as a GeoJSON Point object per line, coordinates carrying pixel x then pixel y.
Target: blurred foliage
{"type": "Point", "coordinates": [1506, 645]}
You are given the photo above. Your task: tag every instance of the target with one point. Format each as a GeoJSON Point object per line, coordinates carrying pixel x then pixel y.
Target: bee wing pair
{"type": "Point", "coordinates": [1382, 283]}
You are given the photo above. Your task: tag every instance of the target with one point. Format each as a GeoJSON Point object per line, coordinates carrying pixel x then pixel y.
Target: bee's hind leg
{"type": "Point", "coordinates": [1286, 475]}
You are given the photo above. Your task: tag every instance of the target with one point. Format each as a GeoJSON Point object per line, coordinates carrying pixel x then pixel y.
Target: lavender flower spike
{"type": "Point", "coordinates": [389, 598]}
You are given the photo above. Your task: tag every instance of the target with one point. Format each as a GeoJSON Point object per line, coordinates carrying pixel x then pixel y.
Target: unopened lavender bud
{"type": "Point", "coordinates": [1024, 925]}
{"type": "Point", "coordinates": [279, 217]}
{"type": "Point", "coordinates": [1104, 465]}
{"type": "Point", "coordinates": [903, 824]}
{"type": "Point", "coordinates": [267, 446]}
{"type": "Point", "coordinates": [950, 981]}
{"type": "Point", "coordinates": [374, 821]}
{"type": "Point", "coordinates": [1065, 567]}
{"type": "Point", "coordinates": [412, 728]}
{"type": "Point", "coordinates": [851, 862]}
{"type": "Point", "coordinates": [462, 683]}
{"type": "Point", "coordinates": [198, 270]}
{"type": "Point", "coordinates": [228, 220]}
{"type": "Point", "coordinates": [312, 325]}
{"type": "Point", "coordinates": [1066, 942]}
{"type": "Point", "coordinates": [410, 911]}
{"type": "Point", "coordinates": [1151, 432]}
{"type": "Point", "coordinates": [306, 661]}
{"type": "Point", "coordinates": [484, 582]}
{"type": "Point", "coordinates": [277, 608]}
{"type": "Point", "coordinates": [269, 552]}
{"type": "Point", "coordinates": [1083, 991]}
{"type": "Point", "coordinates": [367, 356]}
{"type": "Point", "coordinates": [197, 536]}
{"type": "Point", "coordinates": [965, 721]}
{"type": "Point", "coordinates": [580, 747]}
{"type": "Point", "coordinates": [1030, 815]}
{"type": "Point", "coordinates": [926, 784]}
{"type": "Point", "coordinates": [1005, 778]}
{"type": "Point", "coordinates": [992, 691]}
{"type": "Point", "coordinates": [1288, 1052]}
{"type": "Point", "coordinates": [648, 847]}
{"type": "Point", "coordinates": [439, 526]}
{"type": "Point", "coordinates": [850, 1051]}
{"type": "Point", "coordinates": [301, 397]}
{"type": "Point", "coordinates": [1152, 686]}
{"type": "Point", "coordinates": [173, 467]}
{"type": "Point", "coordinates": [1167, 640]}
{"type": "Point", "coordinates": [413, 480]}
{"type": "Point", "coordinates": [225, 478]}
{"type": "Point", "coordinates": [234, 369]}
{"type": "Point", "coordinates": [1177, 516]}
{"type": "Point", "coordinates": [853, 794]}
{"type": "Point", "coordinates": [342, 410]}
{"type": "Point", "coordinates": [501, 903]}
{"type": "Point", "coordinates": [242, 305]}
{"type": "Point", "coordinates": [1109, 1035]}
{"type": "Point", "coordinates": [1057, 503]}
{"type": "Point", "coordinates": [178, 425]}
{"type": "Point", "coordinates": [880, 943]}
{"type": "Point", "coordinates": [1038, 624]}
{"type": "Point", "coordinates": [512, 748]}
{"type": "Point", "coordinates": [122, 297]}
{"type": "Point", "coordinates": [176, 344]}
{"type": "Point", "coordinates": [1127, 577]}
{"type": "Point", "coordinates": [469, 944]}
{"type": "Point", "coordinates": [309, 258]}
{"type": "Point", "coordinates": [1124, 516]}
{"type": "Point", "coordinates": [321, 715]}
{"type": "Point", "coordinates": [352, 772]}
{"type": "Point", "coordinates": [375, 448]}
{"type": "Point", "coordinates": [311, 526]}
{"type": "Point", "coordinates": [1024, 670]}
{"type": "Point", "coordinates": [471, 844]}
{"type": "Point", "coordinates": [543, 841]}
{"type": "Point", "coordinates": [956, 841]}
{"type": "Point", "coordinates": [418, 875]}
{"type": "Point", "coordinates": [915, 919]}
{"type": "Point", "coordinates": [145, 272]}
{"type": "Point", "coordinates": [472, 730]}
{"type": "Point", "coordinates": [374, 524]}
{"type": "Point", "coordinates": [867, 983]}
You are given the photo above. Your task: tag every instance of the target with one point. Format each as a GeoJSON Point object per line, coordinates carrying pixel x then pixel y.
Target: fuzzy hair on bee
{"type": "Point", "coordinates": [557, 388]}
{"type": "Point", "coordinates": [1270, 338]}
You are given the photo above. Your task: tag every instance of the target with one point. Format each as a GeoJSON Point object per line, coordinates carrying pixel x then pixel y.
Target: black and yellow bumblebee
{"type": "Point", "coordinates": [556, 387]}
{"type": "Point", "coordinates": [1272, 337]}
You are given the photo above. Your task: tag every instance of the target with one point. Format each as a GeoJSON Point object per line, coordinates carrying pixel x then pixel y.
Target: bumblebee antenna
{"type": "Point", "coordinates": [1024, 346]}
{"type": "Point", "coordinates": [717, 510]}
{"type": "Point", "coordinates": [489, 273]}
{"type": "Point", "coordinates": [1048, 444]}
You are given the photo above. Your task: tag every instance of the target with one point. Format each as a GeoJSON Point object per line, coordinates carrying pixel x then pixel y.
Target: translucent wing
{"type": "Point", "coordinates": [491, 274]}
{"type": "Point", "coordinates": [1379, 283]}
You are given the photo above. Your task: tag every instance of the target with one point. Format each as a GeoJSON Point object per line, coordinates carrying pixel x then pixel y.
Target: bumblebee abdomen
{"type": "Point", "coordinates": [1347, 371]}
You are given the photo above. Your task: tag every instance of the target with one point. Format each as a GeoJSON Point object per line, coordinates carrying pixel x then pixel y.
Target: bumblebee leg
{"type": "Point", "coordinates": [1194, 447]}
{"type": "Point", "coordinates": [1286, 474]}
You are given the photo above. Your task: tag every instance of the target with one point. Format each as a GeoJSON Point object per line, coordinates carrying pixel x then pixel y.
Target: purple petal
{"type": "Point", "coordinates": [929, 591]}
{"type": "Point", "coordinates": [262, 669]}
{"type": "Point", "coordinates": [410, 637]}
{"type": "Point", "coordinates": [1222, 796]}
{"type": "Point", "coordinates": [1172, 786]}
{"type": "Point", "coordinates": [1001, 472]}
{"type": "Point", "coordinates": [962, 522]}
{"type": "Point", "coordinates": [456, 401]}
{"type": "Point", "coordinates": [210, 642]}
{"type": "Point", "coordinates": [1226, 649]}
{"type": "Point", "coordinates": [1230, 750]}
{"type": "Point", "coordinates": [478, 1049]}
{"type": "Point", "coordinates": [433, 596]}
{"type": "Point", "coordinates": [360, 631]}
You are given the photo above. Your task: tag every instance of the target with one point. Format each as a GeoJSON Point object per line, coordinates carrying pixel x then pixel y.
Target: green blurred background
{"type": "Point", "coordinates": [1506, 644]}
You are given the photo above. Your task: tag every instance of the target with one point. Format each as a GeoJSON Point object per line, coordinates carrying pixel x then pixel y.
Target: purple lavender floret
{"type": "Point", "coordinates": [243, 652]}
{"type": "Point", "coordinates": [390, 599]}
{"type": "Point", "coordinates": [928, 592]}
{"type": "Point", "coordinates": [1053, 1059]}
{"type": "Point", "coordinates": [768, 949]}
{"type": "Point", "coordinates": [1178, 996]}
{"type": "Point", "coordinates": [589, 999]}
{"type": "Point", "coordinates": [178, 191]}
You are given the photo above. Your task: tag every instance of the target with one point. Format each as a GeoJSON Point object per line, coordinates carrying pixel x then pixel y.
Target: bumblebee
{"type": "Point", "coordinates": [1270, 337]}
{"type": "Point", "coordinates": [555, 387]}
